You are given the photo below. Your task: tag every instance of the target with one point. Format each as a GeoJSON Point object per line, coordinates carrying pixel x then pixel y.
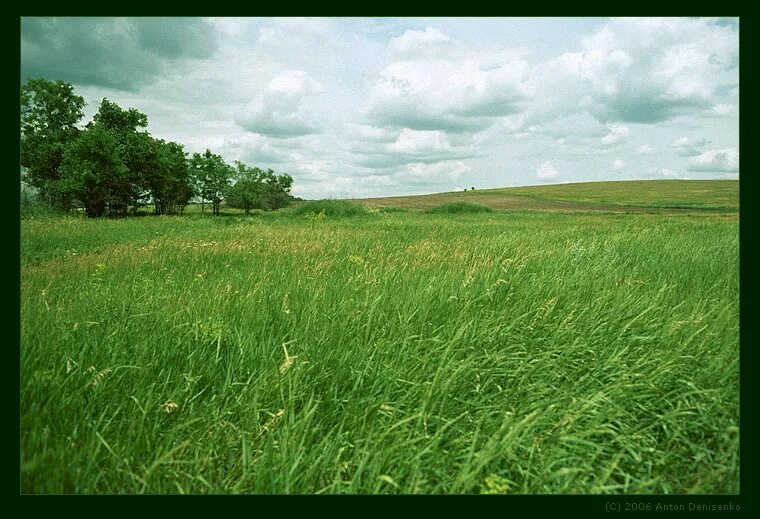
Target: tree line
{"type": "Point", "coordinates": [112, 165]}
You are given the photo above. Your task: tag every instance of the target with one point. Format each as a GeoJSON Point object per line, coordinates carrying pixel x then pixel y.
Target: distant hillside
{"type": "Point", "coordinates": [633, 195]}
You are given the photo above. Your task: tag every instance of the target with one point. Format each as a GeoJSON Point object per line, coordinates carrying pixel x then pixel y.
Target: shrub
{"type": "Point", "coordinates": [329, 208]}
{"type": "Point", "coordinates": [394, 210]}
{"type": "Point", "coordinates": [459, 208]}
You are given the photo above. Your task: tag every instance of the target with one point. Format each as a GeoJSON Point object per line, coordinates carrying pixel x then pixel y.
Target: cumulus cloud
{"type": "Point", "coordinates": [434, 85]}
{"type": "Point", "coordinates": [721, 110]}
{"type": "Point", "coordinates": [617, 134]}
{"type": "Point", "coordinates": [393, 106]}
{"type": "Point", "coordinates": [444, 174]}
{"type": "Point", "coordinates": [618, 164]}
{"type": "Point", "coordinates": [119, 53]}
{"type": "Point", "coordinates": [280, 112]}
{"type": "Point", "coordinates": [546, 171]}
{"type": "Point", "coordinates": [685, 147]}
{"type": "Point", "coordinates": [408, 146]}
{"type": "Point", "coordinates": [366, 133]}
{"type": "Point", "coordinates": [257, 149]}
{"type": "Point", "coordinates": [415, 44]}
{"type": "Point", "coordinates": [640, 71]}
{"type": "Point", "coordinates": [420, 142]}
{"type": "Point", "coordinates": [716, 161]}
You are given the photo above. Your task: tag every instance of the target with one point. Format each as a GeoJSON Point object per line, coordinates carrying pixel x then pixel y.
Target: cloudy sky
{"type": "Point", "coordinates": [354, 107]}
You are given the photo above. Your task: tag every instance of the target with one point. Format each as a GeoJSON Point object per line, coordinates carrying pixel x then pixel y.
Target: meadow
{"type": "Point", "coordinates": [384, 351]}
{"type": "Point", "coordinates": [628, 196]}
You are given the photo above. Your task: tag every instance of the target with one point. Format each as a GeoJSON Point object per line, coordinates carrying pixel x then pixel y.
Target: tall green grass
{"type": "Point", "coordinates": [323, 208]}
{"type": "Point", "coordinates": [401, 353]}
{"type": "Point", "coordinates": [459, 208]}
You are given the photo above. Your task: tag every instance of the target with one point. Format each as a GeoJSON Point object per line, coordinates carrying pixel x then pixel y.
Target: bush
{"type": "Point", "coordinates": [329, 208]}
{"type": "Point", "coordinates": [31, 205]}
{"type": "Point", "coordinates": [459, 208]}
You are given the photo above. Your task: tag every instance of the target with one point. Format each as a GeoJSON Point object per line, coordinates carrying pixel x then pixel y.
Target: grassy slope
{"type": "Point", "coordinates": [522, 352]}
{"type": "Point", "coordinates": [719, 195]}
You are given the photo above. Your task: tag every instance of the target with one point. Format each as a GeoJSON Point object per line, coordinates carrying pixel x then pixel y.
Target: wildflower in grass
{"type": "Point", "coordinates": [98, 376]}
{"type": "Point", "coordinates": [272, 421]}
{"type": "Point", "coordinates": [285, 306]}
{"type": "Point", "coordinates": [169, 406]}
{"type": "Point", "coordinates": [358, 260]}
{"type": "Point", "coordinates": [289, 359]}
{"type": "Point", "coordinates": [494, 484]}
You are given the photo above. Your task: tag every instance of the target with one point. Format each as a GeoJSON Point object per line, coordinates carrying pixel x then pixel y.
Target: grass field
{"type": "Point", "coordinates": [628, 196]}
{"type": "Point", "coordinates": [512, 352]}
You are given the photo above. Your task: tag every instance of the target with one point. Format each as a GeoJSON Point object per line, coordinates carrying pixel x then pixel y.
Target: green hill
{"type": "Point", "coordinates": [633, 195]}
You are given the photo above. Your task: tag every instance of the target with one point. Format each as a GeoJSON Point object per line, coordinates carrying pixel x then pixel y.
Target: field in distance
{"type": "Point", "coordinates": [627, 196]}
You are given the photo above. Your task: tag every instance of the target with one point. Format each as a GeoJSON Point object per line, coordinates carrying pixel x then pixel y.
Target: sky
{"type": "Point", "coordinates": [365, 107]}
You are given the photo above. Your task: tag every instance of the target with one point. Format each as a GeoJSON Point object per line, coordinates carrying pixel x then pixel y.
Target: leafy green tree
{"type": "Point", "coordinates": [170, 184]}
{"type": "Point", "coordinates": [92, 170]}
{"type": "Point", "coordinates": [137, 150]}
{"type": "Point", "coordinates": [276, 190]}
{"type": "Point", "coordinates": [258, 189]}
{"type": "Point", "coordinates": [114, 163]}
{"type": "Point", "coordinates": [248, 189]}
{"type": "Point", "coordinates": [212, 177]}
{"type": "Point", "coordinates": [117, 120]}
{"type": "Point", "coordinates": [50, 112]}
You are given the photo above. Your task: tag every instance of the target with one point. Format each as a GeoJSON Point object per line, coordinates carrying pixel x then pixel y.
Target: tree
{"type": "Point", "coordinates": [276, 190]}
{"type": "Point", "coordinates": [170, 184]}
{"type": "Point", "coordinates": [117, 120]}
{"type": "Point", "coordinates": [136, 149]}
{"type": "Point", "coordinates": [258, 189]}
{"type": "Point", "coordinates": [247, 191]}
{"type": "Point", "coordinates": [50, 112]}
{"type": "Point", "coordinates": [92, 170]}
{"type": "Point", "coordinates": [212, 177]}
{"type": "Point", "coordinates": [114, 163]}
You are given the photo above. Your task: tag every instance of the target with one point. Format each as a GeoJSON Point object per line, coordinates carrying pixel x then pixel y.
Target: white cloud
{"type": "Point", "coordinates": [640, 70]}
{"type": "Point", "coordinates": [280, 111]}
{"type": "Point", "coordinates": [456, 90]}
{"type": "Point", "coordinates": [429, 175]}
{"type": "Point", "coordinates": [618, 164]}
{"type": "Point", "coordinates": [377, 150]}
{"type": "Point", "coordinates": [296, 83]}
{"type": "Point", "coordinates": [414, 44]}
{"type": "Point", "coordinates": [253, 148]}
{"type": "Point", "coordinates": [546, 171]}
{"type": "Point", "coordinates": [617, 134]}
{"type": "Point", "coordinates": [400, 105]}
{"type": "Point", "coordinates": [411, 141]}
{"type": "Point", "coordinates": [717, 161]}
{"type": "Point", "coordinates": [722, 110]}
{"type": "Point", "coordinates": [684, 141]}
{"type": "Point", "coordinates": [685, 147]}
{"type": "Point", "coordinates": [366, 133]}
{"type": "Point", "coordinates": [666, 173]}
